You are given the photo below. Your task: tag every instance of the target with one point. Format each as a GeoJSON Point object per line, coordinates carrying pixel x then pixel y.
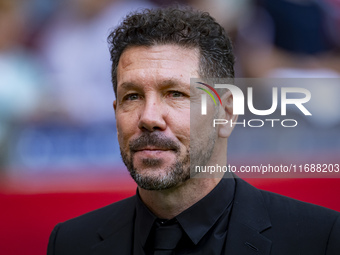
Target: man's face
{"type": "Point", "coordinates": [153, 113]}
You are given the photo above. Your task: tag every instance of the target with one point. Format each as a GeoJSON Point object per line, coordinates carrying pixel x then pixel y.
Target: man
{"type": "Point", "coordinates": [154, 55]}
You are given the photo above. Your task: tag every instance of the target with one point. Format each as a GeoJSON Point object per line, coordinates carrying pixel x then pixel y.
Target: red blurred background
{"type": "Point", "coordinates": [29, 211]}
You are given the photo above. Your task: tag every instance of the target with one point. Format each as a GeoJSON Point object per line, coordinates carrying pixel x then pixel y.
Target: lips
{"type": "Point", "coordinates": [153, 149]}
{"type": "Point", "coordinates": [153, 152]}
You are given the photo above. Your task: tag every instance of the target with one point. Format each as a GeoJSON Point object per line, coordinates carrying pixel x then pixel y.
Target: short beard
{"type": "Point", "coordinates": [199, 156]}
{"type": "Point", "coordinates": [175, 174]}
{"type": "Point", "coordinates": [201, 150]}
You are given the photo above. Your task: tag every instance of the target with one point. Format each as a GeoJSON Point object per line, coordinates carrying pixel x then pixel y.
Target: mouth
{"type": "Point", "coordinates": [151, 151]}
{"type": "Point", "coordinates": [152, 148]}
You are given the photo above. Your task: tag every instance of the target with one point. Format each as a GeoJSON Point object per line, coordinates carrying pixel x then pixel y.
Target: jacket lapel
{"type": "Point", "coordinates": [249, 218]}
{"type": "Point", "coordinates": [117, 234]}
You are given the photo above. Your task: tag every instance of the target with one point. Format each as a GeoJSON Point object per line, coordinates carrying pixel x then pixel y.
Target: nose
{"type": "Point", "coordinates": [153, 115]}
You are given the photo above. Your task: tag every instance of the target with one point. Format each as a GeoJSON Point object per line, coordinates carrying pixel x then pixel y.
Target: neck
{"type": "Point", "coordinates": [167, 204]}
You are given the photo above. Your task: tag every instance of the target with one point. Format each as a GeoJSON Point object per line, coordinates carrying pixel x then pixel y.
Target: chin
{"type": "Point", "coordinates": [154, 179]}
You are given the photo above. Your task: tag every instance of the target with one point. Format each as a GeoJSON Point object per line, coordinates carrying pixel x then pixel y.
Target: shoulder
{"type": "Point", "coordinates": [281, 206]}
{"type": "Point", "coordinates": [100, 216]}
{"type": "Point", "coordinates": [307, 224]}
{"type": "Point", "coordinates": [81, 233]}
{"type": "Point", "coordinates": [295, 226]}
{"type": "Point", "coordinates": [299, 213]}
{"type": "Point", "coordinates": [289, 225]}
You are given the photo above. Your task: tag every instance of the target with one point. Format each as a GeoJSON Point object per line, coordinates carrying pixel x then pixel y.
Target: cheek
{"type": "Point", "coordinates": [126, 127]}
{"type": "Point", "coordinates": [180, 125]}
{"type": "Point", "coordinates": [200, 128]}
{"type": "Point", "coordinates": [201, 124]}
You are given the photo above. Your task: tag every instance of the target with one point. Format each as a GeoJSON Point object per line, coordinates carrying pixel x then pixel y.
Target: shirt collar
{"type": "Point", "coordinates": [197, 220]}
{"type": "Point", "coordinates": [144, 220]}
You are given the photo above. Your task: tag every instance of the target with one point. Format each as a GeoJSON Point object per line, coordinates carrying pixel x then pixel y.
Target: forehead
{"type": "Point", "coordinates": [157, 64]}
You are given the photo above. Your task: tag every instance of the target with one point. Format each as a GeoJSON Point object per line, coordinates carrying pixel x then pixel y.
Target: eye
{"type": "Point", "coordinates": [176, 94]}
{"type": "Point", "coordinates": [131, 97]}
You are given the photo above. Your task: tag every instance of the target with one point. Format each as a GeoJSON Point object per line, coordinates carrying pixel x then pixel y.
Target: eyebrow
{"type": "Point", "coordinates": [173, 83]}
{"type": "Point", "coordinates": [127, 85]}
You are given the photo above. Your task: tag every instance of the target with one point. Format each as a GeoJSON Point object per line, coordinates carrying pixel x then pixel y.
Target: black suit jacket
{"type": "Point", "coordinates": [261, 223]}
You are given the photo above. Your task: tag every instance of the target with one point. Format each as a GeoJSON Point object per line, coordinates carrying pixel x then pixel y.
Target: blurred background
{"type": "Point", "coordinates": [59, 156]}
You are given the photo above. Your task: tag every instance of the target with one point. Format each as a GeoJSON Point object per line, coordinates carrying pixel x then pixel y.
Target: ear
{"type": "Point", "coordinates": [115, 105]}
{"type": "Point", "coordinates": [224, 131]}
